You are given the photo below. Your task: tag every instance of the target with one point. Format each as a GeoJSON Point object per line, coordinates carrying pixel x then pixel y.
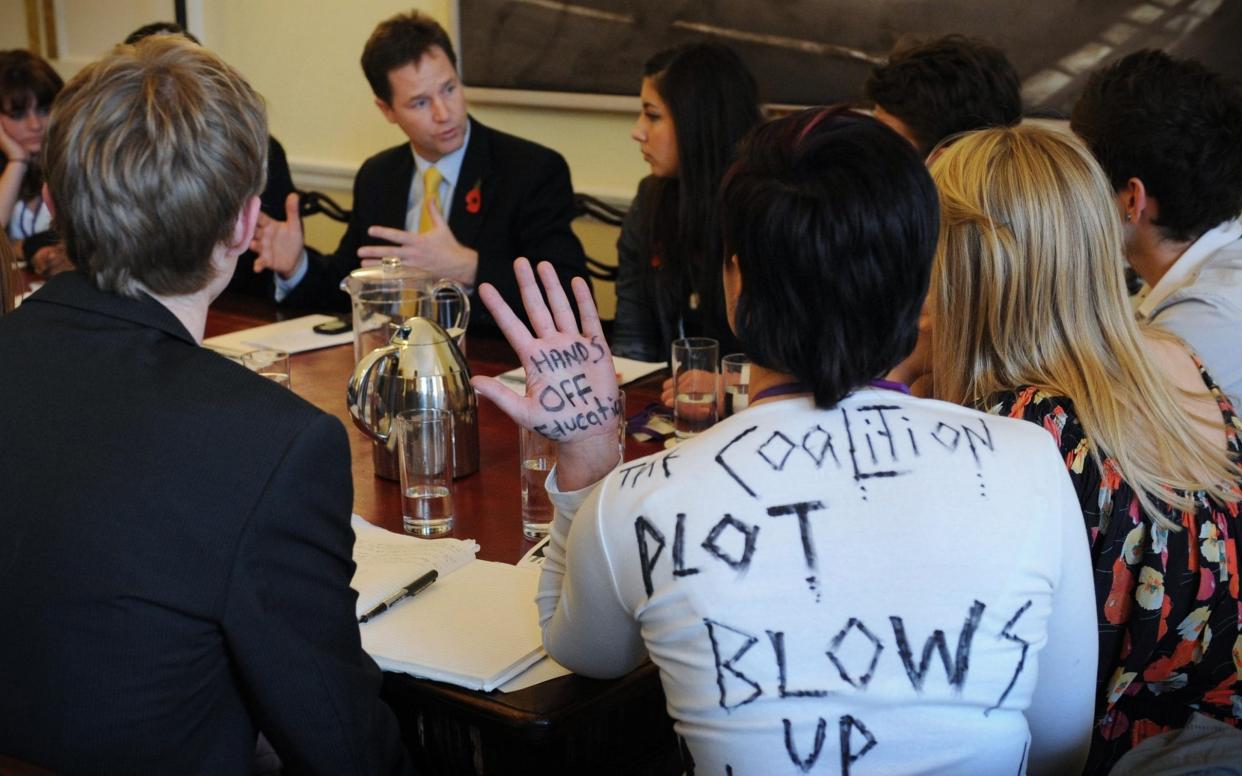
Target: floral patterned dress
{"type": "Point", "coordinates": [1168, 602]}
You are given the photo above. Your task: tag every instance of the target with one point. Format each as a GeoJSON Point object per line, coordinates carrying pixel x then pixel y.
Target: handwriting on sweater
{"type": "Point", "coordinates": [746, 671]}
{"type": "Point", "coordinates": [872, 443]}
{"type": "Point", "coordinates": [848, 455]}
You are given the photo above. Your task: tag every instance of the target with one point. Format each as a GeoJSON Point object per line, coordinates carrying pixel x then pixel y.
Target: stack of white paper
{"type": "Point", "coordinates": [386, 561]}
{"type": "Point", "coordinates": [476, 627]}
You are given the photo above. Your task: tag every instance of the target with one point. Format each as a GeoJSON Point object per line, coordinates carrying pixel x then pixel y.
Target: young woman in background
{"type": "Point", "coordinates": [698, 100]}
{"type": "Point", "coordinates": [28, 84]}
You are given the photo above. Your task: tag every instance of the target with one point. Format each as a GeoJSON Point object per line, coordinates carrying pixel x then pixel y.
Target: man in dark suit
{"type": "Point", "coordinates": [175, 547]}
{"type": "Point", "coordinates": [459, 200]}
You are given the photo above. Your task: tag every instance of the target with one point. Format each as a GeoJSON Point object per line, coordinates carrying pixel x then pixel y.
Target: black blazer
{"type": "Point", "coordinates": [524, 208]}
{"type": "Point", "coordinates": [175, 555]}
{"type": "Point", "coordinates": [279, 186]}
{"type": "Point", "coordinates": [648, 318]}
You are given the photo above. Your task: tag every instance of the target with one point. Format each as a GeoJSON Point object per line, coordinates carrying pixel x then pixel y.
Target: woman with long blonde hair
{"type": "Point", "coordinates": [1030, 319]}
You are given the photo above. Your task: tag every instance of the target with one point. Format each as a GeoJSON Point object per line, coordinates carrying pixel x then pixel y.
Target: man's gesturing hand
{"type": "Point", "coordinates": [279, 243]}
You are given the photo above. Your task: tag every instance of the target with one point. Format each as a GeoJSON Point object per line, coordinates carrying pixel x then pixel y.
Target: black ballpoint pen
{"type": "Point", "coordinates": [409, 591]}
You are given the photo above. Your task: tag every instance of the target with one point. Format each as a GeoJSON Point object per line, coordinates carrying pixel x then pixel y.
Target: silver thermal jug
{"type": "Point", "coordinates": [421, 368]}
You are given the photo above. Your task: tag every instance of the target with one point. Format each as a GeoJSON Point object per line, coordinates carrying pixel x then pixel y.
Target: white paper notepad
{"type": "Point", "coordinates": [385, 561]}
{"type": "Point", "coordinates": [477, 626]}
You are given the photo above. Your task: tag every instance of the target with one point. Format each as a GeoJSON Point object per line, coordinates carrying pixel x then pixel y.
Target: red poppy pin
{"type": "Point", "coordinates": [474, 198]}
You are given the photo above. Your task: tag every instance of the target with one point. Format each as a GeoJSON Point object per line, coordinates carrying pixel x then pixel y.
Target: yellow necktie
{"type": "Point", "coordinates": [431, 194]}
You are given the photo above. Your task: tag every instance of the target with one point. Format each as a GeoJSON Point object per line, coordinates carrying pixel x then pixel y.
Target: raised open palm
{"type": "Point", "coordinates": [571, 383]}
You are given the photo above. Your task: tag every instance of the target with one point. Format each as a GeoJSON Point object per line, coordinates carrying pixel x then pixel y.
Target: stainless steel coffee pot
{"type": "Point", "coordinates": [421, 368]}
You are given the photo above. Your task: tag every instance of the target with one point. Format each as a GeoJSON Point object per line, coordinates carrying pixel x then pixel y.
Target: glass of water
{"type": "Point", "coordinates": [696, 365]}
{"type": "Point", "coordinates": [272, 364]}
{"type": "Point", "coordinates": [425, 441]}
{"type": "Point", "coordinates": [735, 371]}
{"type": "Point", "coordinates": [538, 456]}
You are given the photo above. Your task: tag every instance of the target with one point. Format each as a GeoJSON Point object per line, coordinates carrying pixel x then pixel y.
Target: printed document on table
{"type": "Point", "coordinates": [387, 561]}
{"type": "Point", "coordinates": [628, 370]}
{"type": "Point", "coordinates": [296, 335]}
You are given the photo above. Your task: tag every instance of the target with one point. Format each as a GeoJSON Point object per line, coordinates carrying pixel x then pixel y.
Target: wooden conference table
{"type": "Point", "coordinates": [566, 725]}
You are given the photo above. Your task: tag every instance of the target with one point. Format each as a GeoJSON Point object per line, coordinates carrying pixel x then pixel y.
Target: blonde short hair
{"type": "Point", "coordinates": [1028, 289]}
{"type": "Point", "coordinates": [151, 154]}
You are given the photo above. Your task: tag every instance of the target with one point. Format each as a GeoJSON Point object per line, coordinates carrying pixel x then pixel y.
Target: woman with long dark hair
{"type": "Point", "coordinates": [28, 84]}
{"type": "Point", "coordinates": [698, 100]}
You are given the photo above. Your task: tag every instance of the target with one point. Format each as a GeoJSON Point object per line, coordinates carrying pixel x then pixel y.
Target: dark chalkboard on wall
{"type": "Point", "coordinates": [818, 51]}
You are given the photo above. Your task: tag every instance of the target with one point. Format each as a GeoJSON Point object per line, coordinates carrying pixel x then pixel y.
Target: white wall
{"type": "Point", "coordinates": [12, 24]}
{"type": "Point", "coordinates": [85, 29]}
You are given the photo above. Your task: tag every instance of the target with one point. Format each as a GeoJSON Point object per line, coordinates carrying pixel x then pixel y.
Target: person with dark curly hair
{"type": "Point", "coordinates": [934, 90]}
{"type": "Point", "coordinates": [1168, 132]}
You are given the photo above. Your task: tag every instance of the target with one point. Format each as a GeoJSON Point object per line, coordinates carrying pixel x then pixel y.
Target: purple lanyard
{"type": "Point", "coordinates": [780, 390]}
{"type": "Point", "coordinates": [891, 385]}
{"type": "Point", "coordinates": [795, 387]}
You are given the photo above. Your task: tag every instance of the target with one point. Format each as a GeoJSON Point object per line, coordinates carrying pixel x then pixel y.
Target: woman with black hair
{"type": "Point", "coordinates": [698, 100]}
{"type": "Point", "coordinates": [28, 84]}
{"type": "Point", "coordinates": [839, 556]}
